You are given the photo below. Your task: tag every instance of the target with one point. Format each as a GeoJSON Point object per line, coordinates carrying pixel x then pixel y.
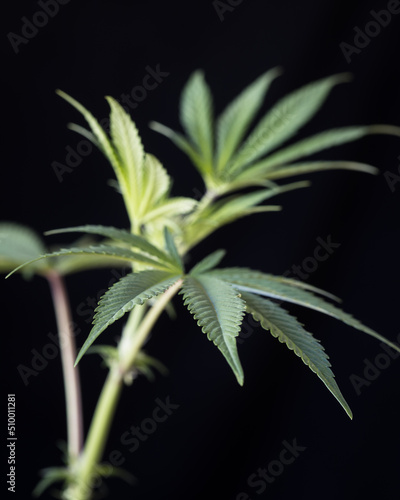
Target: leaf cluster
{"type": "Point", "coordinates": [239, 162]}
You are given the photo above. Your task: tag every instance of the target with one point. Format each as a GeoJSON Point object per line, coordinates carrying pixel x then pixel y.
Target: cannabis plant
{"type": "Point", "coordinates": [242, 165]}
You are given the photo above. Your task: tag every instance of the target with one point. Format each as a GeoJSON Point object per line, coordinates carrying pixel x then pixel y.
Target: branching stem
{"type": "Point", "coordinates": [85, 470]}
{"type": "Point", "coordinates": [73, 400]}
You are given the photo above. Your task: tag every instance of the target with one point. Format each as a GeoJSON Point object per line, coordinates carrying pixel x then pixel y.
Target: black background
{"type": "Point", "coordinates": [221, 433]}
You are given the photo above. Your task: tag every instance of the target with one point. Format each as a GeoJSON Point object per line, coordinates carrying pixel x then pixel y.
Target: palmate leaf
{"type": "Point", "coordinates": [131, 290]}
{"type": "Point", "coordinates": [288, 330]}
{"type": "Point", "coordinates": [18, 244]}
{"type": "Point", "coordinates": [102, 140]}
{"type": "Point", "coordinates": [319, 166]}
{"type": "Point", "coordinates": [142, 180]}
{"type": "Point", "coordinates": [231, 208]}
{"type": "Point", "coordinates": [180, 141]}
{"type": "Point", "coordinates": [284, 120]}
{"type": "Point", "coordinates": [156, 184]}
{"type": "Point", "coordinates": [196, 115]}
{"type": "Point", "coordinates": [235, 120]}
{"type": "Point", "coordinates": [219, 311]}
{"type": "Point", "coordinates": [247, 280]}
{"type": "Point", "coordinates": [128, 147]}
{"type": "Point", "coordinates": [172, 250]}
{"type": "Point", "coordinates": [121, 235]}
{"type": "Point", "coordinates": [208, 262]}
{"type": "Point", "coordinates": [319, 142]}
{"type": "Point", "coordinates": [170, 208]}
{"type": "Point", "coordinates": [280, 172]}
{"type": "Point", "coordinates": [113, 252]}
{"type": "Point", "coordinates": [305, 286]}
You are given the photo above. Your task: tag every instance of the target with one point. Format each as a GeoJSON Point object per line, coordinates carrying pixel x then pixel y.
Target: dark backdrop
{"type": "Point", "coordinates": [220, 435]}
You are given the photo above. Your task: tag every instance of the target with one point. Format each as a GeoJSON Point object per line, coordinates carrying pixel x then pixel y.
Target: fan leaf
{"type": "Point", "coordinates": [289, 331]}
{"type": "Point", "coordinates": [283, 120]}
{"type": "Point", "coordinates": [180, 141]}
{"type": "Point", "coordinates": [129, 149]}
{"type": "Point", "coordinates": [235, 120]}
{"type": "Point", "coordinates": [247, 280]}
{"type": "Point", "coordinates": [219, 311]}
{"type": "Point", "coordinates": [100, 250]}
{"type": "Point", "coordinates": [102, 140]}
{"type": "Point", "coordinates": [196, 115]}
{"type": "Point", "coordinates": [172, 250]}
{"type": "Point", "coordinates": [121, 235]}
{"type": "Point", "coordinates": [131, 290]}
{"type": "Point", "coordinates": [208, 262]}
{"type": "Point", "coordinates": [18, 244]}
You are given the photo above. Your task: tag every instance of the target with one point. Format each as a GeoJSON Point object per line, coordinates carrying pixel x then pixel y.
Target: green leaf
{"type": "Point", "coordinates": [156, 184]}
{"type": "Point", "coordinates": [131, 290]}
{"type": "Point", "coordinates": [51, 475]}
{"type": "Point", "coordinates": [100, 250]}
{"type": "Point", "coordinates": [113, 233]}
{"type": "Point", "coordinates": [19, 243]}
{"type": "Point", "coordinates": [258, 172]}
{"type": "Point", "coordinates": [129, 149]}
{"type": "Point", "coordinates": [314, 144]}
{"type": "Point", "coordinates": [196, 115]}
{"type": "Point", "coordinates": [83, 131]}
{"type": "Point", "coordinates": [180, 141]}
{"type": "Point", "coordinates": [235, 120]}
{"type": "Point", "coordinates": [102, 140]}
{"type": "Point", "coordinates": [231, 208]}
{"type": "Point", "coordinates": [283, 120]}
{"type": "Point", "coordinates": [172, 250]}
{"type": "Point", "coordinates": [319, 166]}
{"type": "Point", "coordinates": [71, 264]}
{"type": "Point", "coordinates": [247, 280]}
{"type": "Point", "coordinates": [171, 207]}
{"type": "Point", "coordinates": [322, 141]}
{"type": "Point", "coordinates": [208, 262]}
{"type": "Point", "coordinates": [145, 364]}
{"type": "Point", "coordinates": [219, 311]}
{"type": "Point", "coordinates": [288, 330]}
{"type": "Point", "coordinates": [305, 286]}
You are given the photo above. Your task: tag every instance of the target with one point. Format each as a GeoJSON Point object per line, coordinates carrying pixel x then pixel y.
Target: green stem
{"type": "Point", "coordinates": [85, 470]}
{"type": "Point", "coordinates": [73, 400]}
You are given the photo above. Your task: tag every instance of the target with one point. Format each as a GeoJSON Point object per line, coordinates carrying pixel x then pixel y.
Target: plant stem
{"type": "Point", "coordinates": [106, 406]}
{"type": "Point", "coordinates": [73, 400]}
